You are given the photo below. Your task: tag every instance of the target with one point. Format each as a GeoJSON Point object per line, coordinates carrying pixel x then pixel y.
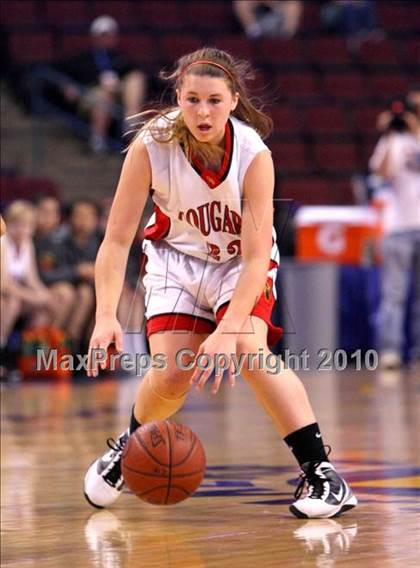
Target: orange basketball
{"type": "Point", "coordinates": [163, 462]}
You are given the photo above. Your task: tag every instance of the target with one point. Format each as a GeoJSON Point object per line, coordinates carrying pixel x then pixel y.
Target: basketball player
{"type": "Point", "coordinates": [209, 271]}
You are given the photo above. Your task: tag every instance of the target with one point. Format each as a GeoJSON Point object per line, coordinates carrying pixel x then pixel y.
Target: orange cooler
{"type": "Point", "coordinates": [346, 235]}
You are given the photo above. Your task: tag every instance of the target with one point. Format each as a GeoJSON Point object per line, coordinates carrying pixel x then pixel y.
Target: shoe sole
{"type": "Point", "coordinates": [91, 502]}
{"type": "Point", "coordinates": [349, 504]}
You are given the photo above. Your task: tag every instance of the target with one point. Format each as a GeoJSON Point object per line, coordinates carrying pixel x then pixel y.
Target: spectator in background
{"type": "Point", "coordinates": [397, 159]}
{"type": "Point", "coordinates": [268, 18]}
{"type": "Point", "coordinates": [51, 254]}
{"type": "Point", "coordinates": [22, 292]}
{"type": "Point", "coordinates": [81, 245]}
{"type": "Point", "coordinates": [99, 78]}
{"type": "Point", "coordinates": [354, 19]}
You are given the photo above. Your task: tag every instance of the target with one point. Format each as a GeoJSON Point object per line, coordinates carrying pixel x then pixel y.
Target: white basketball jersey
{"type": "Point", "coordinates": [198, 211]}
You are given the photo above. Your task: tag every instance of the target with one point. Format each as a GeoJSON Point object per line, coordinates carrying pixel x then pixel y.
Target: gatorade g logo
{"type": "Point", "coordinates": [331, 239]}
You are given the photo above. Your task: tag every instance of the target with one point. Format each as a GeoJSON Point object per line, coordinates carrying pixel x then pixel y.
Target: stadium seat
{"type": "Point", "coordinates": [337, 157]}
{"type": "Point", "coordinates": [29, 47]}
{"type": "Point", "coordinates": [364, 118]}
{"type": "Point", "coordinates": [19, 13]}
{"type": "Point", "coordinates": [289, 157]}
{"type": "Point", "coordinates": [387, 85]}
{"type": "Point", "coordinates": [173, 46]}
{"type": "Point", "coordinates": [67, 14]}
{"type": "Point", "coordinates": [295, 85]}
{"type": "Point", "coordinates": [286, 120]}
{"type": "Point", "coordinates": [309, 190]}
{"type": "Point", "coordinates": [321, 120]}
{"type": "Point", "coordinates": [399, 17]}
{"type": "Point", "coordinates": [73, 43]}
{"type": "Point", "coordinates": [238, 45]}
{"type": "Point", "coordinates": [310, 17]}
{"type": "Point", "coordinates": [215, 15]}
{"type": "Point", "coordinates": [141, 47]}
{"type": "Point", "coordinates": [410, 53]}
{"type": "Point", "coordinates": [378, 54]}
{"type": "Point", "coordinates": [328, 52]}
{"type": "Point", "coordinates": [279, 53]}
{"type": "Point", "coordinates": [162, 15]}
{"type": "Point", "coordinates": [345, 85]}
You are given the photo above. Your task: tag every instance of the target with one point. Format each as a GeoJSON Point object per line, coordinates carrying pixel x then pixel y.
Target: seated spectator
{"type": "Point", "coordinates": [81, 245]}
{"type": "Point", "coordinates": [22, 292]}
{"type": "Point", "coordinates": [100, 77]}
{"type": "Point", "coordinates": [54, 268]}
{"type": "Point", "coordinates": [354, 19]}
{"type": "Point", "coordinates": [268, 18]}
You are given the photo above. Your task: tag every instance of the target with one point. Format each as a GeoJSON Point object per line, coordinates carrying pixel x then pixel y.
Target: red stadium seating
{"type": "Point", "coordinates": [387, 85]}
{"type": "Point", "coordinates": [378, 53]}
{"type": "Point", "coordinates": [18, 13]}
{"type": "Point", "coordinates": [286, 120]}
{"type": "Point", "coordinates": [289, 156]}
{"type": "Point", "coordinates": [162, 15]}
{"type": "Point", "coordinates": [295, 85]}
{"type": "Point", "coordinates": [173, 46]}
{"type": "Point", "coordinates": [310, 17]}
{"type": "Point", "coordinates": [74, 43]}
{"type": "Point", "coordinates": [364, 118]}
{"type": "Point", "coordinates": [348, 86]}
{"type": "Point", "coordinates": [26, 47]}
{"type": "Point", "coordinates": [141, 47]}
{"type": "Point", "coordinates": [65, 14]}
{"type": "Point", "coordinates": [328, 51]}
{"type": "Point", "coordinates": [337, 157]}
{"type": "Point", "coordinates": [237, 45]}
{"type": "Point", "coordinates": [309, 191]}
{"type": "Point", "coordinates": [211, 16]}
{"type": "Point", "coordinates": [279, 52]}
{"type": "Point", "coordinates": [410, 53]}
{"type": "Point", "coordinates": [399, 16]}
{"type": "Point", "coordinates": [320, 120]}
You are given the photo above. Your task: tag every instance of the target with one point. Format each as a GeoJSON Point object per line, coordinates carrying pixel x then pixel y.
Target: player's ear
{"type": "Point", "coordinates": [235, 100]}
{"type": "Point", "coordinates": [178, 100]}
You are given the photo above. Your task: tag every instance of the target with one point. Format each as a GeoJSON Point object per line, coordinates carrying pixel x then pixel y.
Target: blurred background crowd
{"type": "Point", "coordinates": [341, 80]}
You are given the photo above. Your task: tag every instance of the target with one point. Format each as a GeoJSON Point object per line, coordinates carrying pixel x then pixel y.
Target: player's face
{"type": "Point", "coordinates": [206, 103]}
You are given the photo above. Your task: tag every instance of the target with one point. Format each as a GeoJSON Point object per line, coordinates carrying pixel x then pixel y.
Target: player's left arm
{"type": "Point", "coordinates": [256, 235]}
{"type": "Point", "coordinates": [2, 226]}
{"type": "Point", "coordinates": [256, 241]}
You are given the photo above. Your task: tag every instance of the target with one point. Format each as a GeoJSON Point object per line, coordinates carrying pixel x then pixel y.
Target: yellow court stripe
{"type": "Point", "coordinates": [411, 482]}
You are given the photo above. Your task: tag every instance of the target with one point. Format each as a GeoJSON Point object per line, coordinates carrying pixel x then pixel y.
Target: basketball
{"type": "Point", "coordinates": [163, 463]}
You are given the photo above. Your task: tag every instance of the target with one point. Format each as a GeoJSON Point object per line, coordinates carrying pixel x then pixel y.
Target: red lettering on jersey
{"type": "Point", "coordinates": [192, 213]}
{"type": "Point", "coordinates": [234, 247]}
{"type": "Point", "coordinates": [237, 222]}
{"type": "Point", "coordinates": [213, 251]}
{"type": "Point", "coordinates": [203, 213]}
{"type": "Point", "coordinates": [227, 222]}
{"type": "Point", "coordinates": [216, 222]}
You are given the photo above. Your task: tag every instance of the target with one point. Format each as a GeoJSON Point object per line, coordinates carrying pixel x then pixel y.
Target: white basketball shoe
{"type": "Point", "coordinates": [104, 481]}
{"type": "Point", "coordinates": [328, 495]}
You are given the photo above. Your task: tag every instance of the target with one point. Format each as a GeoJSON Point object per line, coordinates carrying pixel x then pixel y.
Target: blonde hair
{"type": "Point", "coordinates": [211, 62]}
{"type": "Point", "coordinates": [19, 210]}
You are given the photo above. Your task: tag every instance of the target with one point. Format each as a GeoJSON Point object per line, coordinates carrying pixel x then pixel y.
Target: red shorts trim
{"type": "Point", "coordinates": [172, 322]}
{"type": "Point", "coordinates": [262, 309]}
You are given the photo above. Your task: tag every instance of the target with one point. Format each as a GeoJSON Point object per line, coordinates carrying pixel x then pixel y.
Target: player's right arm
{"type": "Point", "coordinates": [126, 212]}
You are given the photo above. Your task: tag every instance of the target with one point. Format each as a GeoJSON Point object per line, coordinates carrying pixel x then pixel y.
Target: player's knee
{"type": "Point", "coordinates": [85, 294]}
{"type": "Point", "coordinates": [12, 304]}
{"type": "Point", "coordinates": [172, 383]}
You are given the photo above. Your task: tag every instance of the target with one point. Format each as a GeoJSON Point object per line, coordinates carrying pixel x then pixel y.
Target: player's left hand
{"type": "Point", "coordinates": [219, 348]}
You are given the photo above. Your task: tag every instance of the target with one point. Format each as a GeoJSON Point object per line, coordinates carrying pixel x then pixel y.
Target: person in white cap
{"type": "Point", "coordinates": [109, 76]}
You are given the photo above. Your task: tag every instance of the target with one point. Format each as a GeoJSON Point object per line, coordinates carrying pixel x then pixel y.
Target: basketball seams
{"type": "Point", "coordinates": [170, 460]}
{"type": "Point", "coordinates": [176, 475]}
{"type": "Point", "coordinates": [146, 449]}
{"type": "Point", "coordinates": [162, 487]}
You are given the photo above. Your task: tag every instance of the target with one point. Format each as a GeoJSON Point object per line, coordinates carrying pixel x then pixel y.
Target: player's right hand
{"type": "Point", "coordinates": [107, 330]}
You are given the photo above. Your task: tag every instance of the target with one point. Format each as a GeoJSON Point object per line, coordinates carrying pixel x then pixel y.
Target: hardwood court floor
{"type": "Point", "coordinates": [239, 517]}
